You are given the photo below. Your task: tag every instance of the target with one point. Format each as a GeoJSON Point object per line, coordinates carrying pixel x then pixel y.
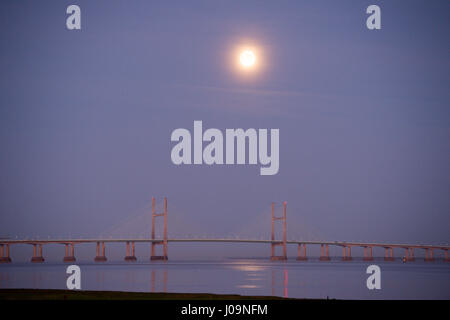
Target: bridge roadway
{"type": "Point", "coordinates": [124, 240]}
{"type": "Point", "coordinates": [130, 256]}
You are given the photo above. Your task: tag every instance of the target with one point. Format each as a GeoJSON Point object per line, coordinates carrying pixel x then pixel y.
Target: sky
{"type": "Point", "coordinates": [364, 116]}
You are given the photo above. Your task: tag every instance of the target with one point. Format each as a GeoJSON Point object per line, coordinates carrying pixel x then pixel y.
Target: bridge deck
{"type": "Point", "coordinates": [225, 240]}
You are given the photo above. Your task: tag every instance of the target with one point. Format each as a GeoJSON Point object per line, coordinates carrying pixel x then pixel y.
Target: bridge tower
{"type": "Point", "coordinates": [278, 243]}
{"type": "Point", "coordinates": [162, 242]}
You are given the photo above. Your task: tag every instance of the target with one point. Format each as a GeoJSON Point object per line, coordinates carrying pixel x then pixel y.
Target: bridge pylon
{"type": "Point", "coordinates": [162, 242]}
{"type": "Point", "coordinates": [278, 243]}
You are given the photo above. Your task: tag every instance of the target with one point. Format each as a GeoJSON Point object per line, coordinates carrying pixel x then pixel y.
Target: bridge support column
{"type": "Point", "coordinates": [406, 257]}
{"type": "Point", "coordinates": [323, 257]}
{"type": "Point", "coordinates": [370, 256]}
{"type": "Point", "coordinates": [4, 259]}
{"type": "Point", "coordinates": [300, 256]}
{"type": "Point", "coordinates": [347, 253]}
{"type": "Point", "coordinates": [100, 257]}
{"type": "Point", "coordinates": [7, 257]}
{"type": "Point", "coordinates": [37, 257]}
{"type": "Point", "coordinates": [69, 256]}
{"type": "Point", "coordinates": [429, 254]}
{"type": "Point", "coordinates": [389, 257]}
{"type": "Point", "coordinates": [130, 257]}
{"type": "Point", "coordinates": [446, 259]}
{"type": "Point", "coordinates": [411, 257]}
{"type": "Point", "coordinates": [163, 242]}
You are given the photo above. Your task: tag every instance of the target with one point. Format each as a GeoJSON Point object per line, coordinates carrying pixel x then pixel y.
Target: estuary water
{"type": "Point", "coordinates": [260, 277]}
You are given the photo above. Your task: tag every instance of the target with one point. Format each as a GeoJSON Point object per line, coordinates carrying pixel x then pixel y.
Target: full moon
{"type": "Point", "coordinates": [247, 58]}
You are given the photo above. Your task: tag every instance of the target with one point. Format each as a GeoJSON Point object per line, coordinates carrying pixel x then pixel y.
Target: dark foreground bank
{"type": "Point", "coordinates": [43, 294]}
{"type": "Point", "coordinates": [105, 304]}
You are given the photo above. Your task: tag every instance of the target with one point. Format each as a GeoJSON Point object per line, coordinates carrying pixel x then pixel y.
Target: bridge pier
{"type": "Point", "coordinates": [370, 257]}
{"type": "Point", "coordinates": [410, 257]}
{"type": "Point", "coordinates": [301, 257]}
{"type": "Point", "coordinates": [323, 257]}
{"type": "Point", "coordinates": [429, 257]}
{"type": "Point", "coordinates": [6, 258]}
{"type": "Point", "coordinates": [100, 257]}
{"type": "Point", "coordinates": [131, 257]}
{"type": "Point", "coordinates": [37, 253]}
{"type": "Point", "coordinates": [406, 257]}
{"type": "Point", "coordinates": [69, 257]}
{"type": "Point", "coordinates": [446, 255]}
{"type": "Point", "coordinates": [388, 257]}
{"type": "Point", "coordinates": [347, 254]}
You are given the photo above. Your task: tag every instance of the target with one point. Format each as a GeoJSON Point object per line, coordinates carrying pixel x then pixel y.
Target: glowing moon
{"type": "Point", "coordinates": [247, 58]}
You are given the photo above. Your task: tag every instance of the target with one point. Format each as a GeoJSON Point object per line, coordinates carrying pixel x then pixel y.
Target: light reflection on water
{"type": "Point", "coordinates": [312, 279]}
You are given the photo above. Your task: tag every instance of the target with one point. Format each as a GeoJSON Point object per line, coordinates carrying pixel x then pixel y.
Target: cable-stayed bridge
{"type": "Point", "coordinates": [153, 241]}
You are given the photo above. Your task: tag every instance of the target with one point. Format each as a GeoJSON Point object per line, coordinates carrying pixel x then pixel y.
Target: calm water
{"type": "Point", "coordinates": [312, 279]}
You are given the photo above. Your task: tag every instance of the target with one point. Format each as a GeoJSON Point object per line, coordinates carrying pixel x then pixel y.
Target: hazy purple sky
{"type": "Point", "coordinates": [364, 117]}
